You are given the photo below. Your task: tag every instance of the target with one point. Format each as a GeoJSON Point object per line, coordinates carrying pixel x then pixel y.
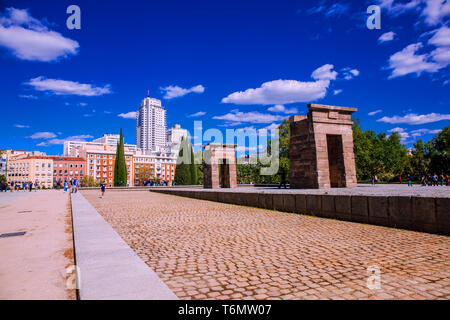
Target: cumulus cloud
{"type": "Point", "coordinates": [432, 12]}
{"type": "Point", "coordinates": [413, 118]}
{"type": "Point", "coordinates": [420, 132]}
{"type": "Point", "coordinates": [82, 137]}
{"type": "Point", "coordinates": [43, 135]}
{"type": "Point", "coordinates": [337, 91]}
{"type": "Point", "coordinates": [64, 87]}
{"type": "Point", "coordinates": [349, 73]}
{"type": "Point", "coordinates": [21, 126]}
{"type": "Point", "coordinates": [280, 92]}
{"type": "Point", "coordinates": [28, 38]}
{"type": "Point", "coordinates": [281, 108]}
{"type": "Point", "coordinates": [388, 36]}
{"type": "Point", "coordinates": [408, 61]}
{"type": "Point", "coordinates": [435, 11]}
{"type": "Point", "coordinates": [197, 114]}
{"type": "Point", "coordinates": [404, 135]}
{"type": "Point", "coordinates": [128, 115]}
{"type": "Point", "coordinates": [372, 113]}
{"type": "Point", "coordinates": [235, 116]}
{"type": "Point", "coordinates": [324, 72]}
{"type": "Point", "coordinates": [176, 91]}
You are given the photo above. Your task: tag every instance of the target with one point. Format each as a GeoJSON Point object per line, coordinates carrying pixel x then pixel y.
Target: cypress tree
{"type": "Point", "coordinates": [182, 170]}
{"type": "Point", "coordinates": [120, 167]}
{"type": "Point", "coordinates": [193, 168]}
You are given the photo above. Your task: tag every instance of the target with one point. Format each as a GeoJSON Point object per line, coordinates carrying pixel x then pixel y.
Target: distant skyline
{"type": "Point", "coordinates": [234, 64]}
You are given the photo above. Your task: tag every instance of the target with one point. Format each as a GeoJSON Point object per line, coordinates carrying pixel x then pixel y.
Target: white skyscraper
{"type": "Point", "coordinates": [151, 125]}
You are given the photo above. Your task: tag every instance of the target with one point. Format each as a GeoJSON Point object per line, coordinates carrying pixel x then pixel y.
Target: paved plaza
{"type": "Point", "coordinates": [33, 265]}
{"type": "Point", "coordinates": [211, 250]}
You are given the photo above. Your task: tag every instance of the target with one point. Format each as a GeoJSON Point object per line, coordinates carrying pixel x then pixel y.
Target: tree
{"type": "Point", "coordinates": [143, 174]}
{"type": "Point", "coordinates": [120, 167]}
{"type": "Point", "coordinates": [419, 159]}
{"type": "Point", "coordinates": [439, 152]}
{"type": "Point", "coordinates": [193, 167]}
{"type": "Point", "coordinates": [88, 181]}
{"type": "Point", "coordinates": [183, 168]}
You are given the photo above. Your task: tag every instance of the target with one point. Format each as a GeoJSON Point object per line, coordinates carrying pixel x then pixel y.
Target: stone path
{"type": "Point", "coordinates": [210, 250]}
{"type": "Point", "coordinates": [33, 266]}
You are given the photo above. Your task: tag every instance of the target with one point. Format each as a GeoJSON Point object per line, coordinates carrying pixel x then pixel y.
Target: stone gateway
{"type": "Point", "coordinates": [220, 166]}
{"type": "Point", "coordinates": [321, 148]}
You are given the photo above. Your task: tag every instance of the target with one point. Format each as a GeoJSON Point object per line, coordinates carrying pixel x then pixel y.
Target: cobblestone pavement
{"type": "Point", "coordinates": [209, 250]}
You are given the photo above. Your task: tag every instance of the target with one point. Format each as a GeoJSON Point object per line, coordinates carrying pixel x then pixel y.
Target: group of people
{"type": "Point", "coordinates": [71, 186]}
{"type": "Point", "coordinates": [430, 180]}
{"type": "Point", "coordinates": [24, 186]}
{"type": "Point", "coordinates": [435, 180]}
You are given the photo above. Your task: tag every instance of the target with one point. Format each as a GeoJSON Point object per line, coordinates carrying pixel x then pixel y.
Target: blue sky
{"type": "Point", "coordinates": [230, 64]}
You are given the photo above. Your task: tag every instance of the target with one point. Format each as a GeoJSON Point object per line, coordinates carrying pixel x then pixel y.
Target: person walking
{"type": "Point", "coordinates": [103, 188]}
{"type": "Point", "coordinates": [30, 186]}
{"type": "Point", "coordinates": [282, 178]}
{"type": "Point", "coordinates": [410, 178]}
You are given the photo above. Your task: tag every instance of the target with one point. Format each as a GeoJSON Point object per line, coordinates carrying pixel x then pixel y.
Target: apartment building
{"type": "Point", "coordinates": [24, 168]}
{"type": "Point", "coordinates": [68, 168]}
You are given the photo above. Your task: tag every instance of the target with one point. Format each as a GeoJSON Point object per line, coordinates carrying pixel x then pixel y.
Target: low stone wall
{"type": "Point", "coordinates": [425, 214]}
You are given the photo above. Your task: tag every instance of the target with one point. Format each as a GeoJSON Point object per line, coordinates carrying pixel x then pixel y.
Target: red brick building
{"type": "Point", "coordinates": [68, 168]}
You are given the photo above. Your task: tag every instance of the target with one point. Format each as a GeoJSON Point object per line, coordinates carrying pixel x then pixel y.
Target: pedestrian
{"type": "Point", "coordinates": [103, 188]}
{"type": "Point", "coordinates": [400, 179]}
{"type": "Point", "coordinates": [373, 180]}
{"type": "Point", "coordinates": [65, 185]}
{"type": "Point", "coordinates": [410, 178]}
{"type": "Point", "coordinates": [282, 178]}
{"type": "Point", "coordinates": [30, 186]}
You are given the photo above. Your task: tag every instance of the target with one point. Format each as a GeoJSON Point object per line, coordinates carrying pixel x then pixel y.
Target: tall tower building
{"type": "Point", "coordinates": [151, 125]}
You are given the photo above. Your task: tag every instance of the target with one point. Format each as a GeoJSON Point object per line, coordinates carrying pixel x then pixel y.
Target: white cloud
{"type": "Point", "coordinates": [28, 96]}
{"type": "Point", "coordinates": [337, 91]}
{"type": "Point", "coordinates": [420, 132]}
{"type": "Point", "coordinates": [433, 12]}
{"type": "Point", "coordinates": [83, 104]}
{"type": "Point", "coordinates": [289, 91]}
{"type": "Point", "coordinates": [402, 133]}
{"type": "Point", "coordinates": [235, 116]}
{"type": "Point", "coordinates": [407, 61]}
{"type": "Point", "coordinates": [272, 126]}
{"type": "Point", "coordinates": [349, 73]}
{"type": "Point", "coordinates": [197, 114]}
{"type": "Point", "coordinates": [43, 135]}
{"type": "Point", "coordinates": [82, 137]}
{"type": "Point", "coordinates": [441, 37]}
{"type": "Point", "coordinates": [29, 39]}
{"type": "Point", "coordinates": [280, 92]}
{"type": "Point", "coordinates": [413, 118]}
{"type": "Point", "coordinates": [128, 115]}
{"type": "Point", "coordinates": [281, 108]}
{"type": "Point", "coordinates": [176, 91]}
{"type": "Point", "coordinates": [21, 126]}
{"type": "Point", "coordinates": [375, 112]}
{"type": "Point", "coordinates": [64, 87]}
{"type": "Point", "coordinates": [337, 9]}
{"type": "Point", "coordinates": [388, 36]}
{"type": "Point", "coordinates": [324, 72]}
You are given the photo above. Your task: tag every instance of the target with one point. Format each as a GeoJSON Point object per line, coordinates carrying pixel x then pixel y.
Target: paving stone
{"type": "Point", "coordinates": [197, 246]}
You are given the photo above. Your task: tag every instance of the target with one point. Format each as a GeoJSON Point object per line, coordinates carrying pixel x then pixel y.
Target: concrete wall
{"type": "Point", "coordinates": [424, 214]}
